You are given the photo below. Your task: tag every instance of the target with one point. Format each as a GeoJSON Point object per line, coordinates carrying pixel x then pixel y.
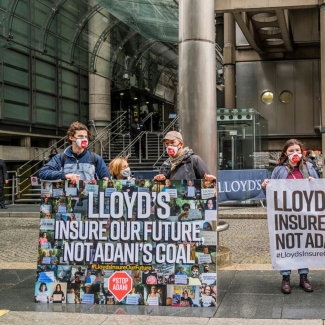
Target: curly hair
{"type": "Point", "coordinates": [76, 126]}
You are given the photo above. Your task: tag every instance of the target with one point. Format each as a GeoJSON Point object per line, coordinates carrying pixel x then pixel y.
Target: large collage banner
{"type": "Point", "coordinates": [137, 242]}
{"type": "Point", "coordinates": [296, 221]}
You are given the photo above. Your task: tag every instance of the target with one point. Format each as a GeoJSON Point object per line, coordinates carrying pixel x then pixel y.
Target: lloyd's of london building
{"type": "Point", "coordinates": [100, 62]}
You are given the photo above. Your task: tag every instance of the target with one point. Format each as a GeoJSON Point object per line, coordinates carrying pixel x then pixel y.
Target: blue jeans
{"type": "Point", "coordinates": [300, 271]}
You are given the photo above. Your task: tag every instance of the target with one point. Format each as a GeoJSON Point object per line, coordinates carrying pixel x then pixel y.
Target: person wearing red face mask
{"type": "Point", "coordinates": [292, 165]}
{"type": "Point", "coordinates": [182, 163]}
{"type": "Point", "coordinates": [76, 163]}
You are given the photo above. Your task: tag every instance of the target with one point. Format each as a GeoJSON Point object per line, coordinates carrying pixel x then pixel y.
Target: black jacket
{"type": "Point", "coordinates": [137, 128]}
{"type": "Point", "coordinates": [191, 167]}
{"type": "Point", "coordinates": [3, 172]}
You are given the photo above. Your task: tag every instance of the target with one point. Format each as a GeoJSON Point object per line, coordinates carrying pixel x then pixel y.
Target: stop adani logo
{"type": "Point", "coordinates": [120, 284]}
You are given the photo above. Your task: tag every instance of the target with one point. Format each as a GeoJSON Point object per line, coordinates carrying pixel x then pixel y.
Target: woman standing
{"type": "Point", "coordinates": [291, 165]}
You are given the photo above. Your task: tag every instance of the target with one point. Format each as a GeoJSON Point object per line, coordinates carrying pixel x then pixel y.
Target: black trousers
{"type": "Point", "coordinates": [2, 196]}
{"type": "Point", "coordinates": [143, 148]}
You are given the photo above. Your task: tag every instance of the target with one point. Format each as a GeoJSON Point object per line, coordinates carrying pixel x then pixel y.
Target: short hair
{"type": "Point", "coordinates": [76, 126]}
{"type": "Point", "coordinates": [115, 166]}
{"type": "Point", "coordinates": [186, 204]}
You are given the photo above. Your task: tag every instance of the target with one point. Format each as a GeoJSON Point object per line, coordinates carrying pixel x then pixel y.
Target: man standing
{"type": "Point", "coordinates": [136, 128]}
{"type": "Point", "coordinates": [76, 163]}
{"type": "Point", "coordinates": [3, 180]}
{"type": "Point", "coordinates": [155, 120]}
{"type": "Point", "coordinates": [182, 163]}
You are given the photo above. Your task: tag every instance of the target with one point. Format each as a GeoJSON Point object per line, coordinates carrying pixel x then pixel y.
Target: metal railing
{"type": "Point", "coordinates": [103, 139]}
{"type": "Point", "coordinates": [127, 150]}
{"type": "Point", "coordinates": [34, 165]}
{"type": "Point", "coordinates": [12, 185]}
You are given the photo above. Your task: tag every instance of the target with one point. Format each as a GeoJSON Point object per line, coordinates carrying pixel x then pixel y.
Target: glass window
{"type": "Point", "coordinates": [69, 84]}
{"type": "Point", "coordinates": [45, 77]}
{"type": "Point", "coordinates": [267, 97]}
{"type": "Point", "coordinates": [285, 97]}
{"type": "Point", "coordinates": [45, 109]}
{"type": "Point", "coordinates": [16, 103]}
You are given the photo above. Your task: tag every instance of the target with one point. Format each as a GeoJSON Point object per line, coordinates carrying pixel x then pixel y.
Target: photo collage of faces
{"type": "Point", "coordinates": [164, 284]}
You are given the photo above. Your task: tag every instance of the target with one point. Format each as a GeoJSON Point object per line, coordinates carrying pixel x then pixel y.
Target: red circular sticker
{"type": "Point", "coordinates": [84, 143]}
{"type": "Point", "coordinates": [151, 279]}
{"type": "Point", "coordinates": [295, 158]}
{"type": "Point", "coordinates": [171, 151]}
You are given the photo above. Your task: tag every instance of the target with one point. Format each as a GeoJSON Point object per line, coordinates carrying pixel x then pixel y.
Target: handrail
{"type": "Point", "coordinates": [172, 123]}
{"type": "Point", "coordinates": [42, 153]}
{"type": "Point", "coordinates": [148, 116]}
{"type": "Point", "coordinates": [103, 132]}
{"type": "Point", "coordinates": [125, 150]}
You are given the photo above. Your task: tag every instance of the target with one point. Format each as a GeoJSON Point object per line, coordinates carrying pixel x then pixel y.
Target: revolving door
{"type": "Point", "coordinates": [242, 135]}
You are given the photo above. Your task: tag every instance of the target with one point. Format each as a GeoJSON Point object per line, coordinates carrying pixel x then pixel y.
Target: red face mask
{"type": "Point", "coordinates": [172, 151]}
{"type": "Point", "coordinates": [295, 157]}
{"type": "Point", "coordinates": [82, 143]}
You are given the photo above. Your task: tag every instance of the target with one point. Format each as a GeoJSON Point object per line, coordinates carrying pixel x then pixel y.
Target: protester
{"type": "Point", "coordinates": [185, 212]}
{"type": "Point", "coordinates": [207, 299]}
{"type": "Point", "coordinates": [311, 157]}
{"type": "Point", "coordinates": [3, 180]}
{"type": "Point", "coordinates": [210, 205]}
{"type": "Point", "coordinates": [76, 162]}
{"type": "Point", "coordinates": [155, 120]}
{"type": "Point", "coordinates": [182, 163]}
{"type": "Point", "coordinates": [42, 295]}
{"type": "Point", "coordinates": [291, 165]}
{"type": "Point", "coordinates": [186, 301]}
{"type": "Point", "coordinates": [52, 154]}
{"type": "Point", "coordinates": [168, 186]}
{"type": "Point", "coordinates": [119, 169]}
{"type": "Point", "coordinates": [136, 128]}
{"type": "Point", "coordinates": [154, 295]}
{"type": "Point", "coordinates": [57, 295]}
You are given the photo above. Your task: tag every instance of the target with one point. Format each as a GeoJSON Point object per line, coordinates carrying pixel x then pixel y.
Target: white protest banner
{"type": "Point", "coordinates": [172, 192]}
{"type": "Point", "coordinates": [207, 193]}
{"type": "Point", "coordinates": [204, 258]}
{"type": "Point", "coordinates": [296, 222]}
{"type": "Point", "coordinates": [210, 215]}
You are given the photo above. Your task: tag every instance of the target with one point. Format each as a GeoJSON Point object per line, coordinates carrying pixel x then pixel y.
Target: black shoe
{"type": "Point", "coordinates": [4, 207]}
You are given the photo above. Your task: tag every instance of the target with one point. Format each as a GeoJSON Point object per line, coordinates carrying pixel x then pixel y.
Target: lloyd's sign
{"type": "Point", "coordinates": [240, 185]}
{"type": "Point", "coordinates": [123, 242]}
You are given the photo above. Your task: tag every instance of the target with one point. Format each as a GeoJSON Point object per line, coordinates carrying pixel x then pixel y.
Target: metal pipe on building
{"type": "Point", "coordinates": [229, 60]}
{"type": "Point", "coordinates": [197, 79]}
{"type": "Point", "coordinates": [322, 72]}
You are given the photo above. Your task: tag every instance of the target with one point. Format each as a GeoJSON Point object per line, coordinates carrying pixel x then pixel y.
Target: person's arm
{"type": "Point", "coordinates": [52, 170]}
{"type": "Point", "coordinates": [4, 170]}
{"type": "Point", "coordinates": [200, 167]}
{"type": "Point", "coordinates": [101, 168]}
{"type": "Point", "coordinates": [164, 172]}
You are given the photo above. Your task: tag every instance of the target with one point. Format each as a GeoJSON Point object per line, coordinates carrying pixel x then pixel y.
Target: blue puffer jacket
{"type": "Point", "coordinates": [82, 166]}
{"type": "Point", "coordinates": [281, 172]}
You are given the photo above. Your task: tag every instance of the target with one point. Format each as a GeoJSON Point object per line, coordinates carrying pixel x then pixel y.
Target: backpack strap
{"type": "Point", "coordinates": [94, 159]}
{"type": "Point", "coordinates": [63, 158]}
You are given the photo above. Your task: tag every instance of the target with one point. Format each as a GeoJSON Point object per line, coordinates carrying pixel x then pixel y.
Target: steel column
{"type": "Point", "coordinates": [197, 79]}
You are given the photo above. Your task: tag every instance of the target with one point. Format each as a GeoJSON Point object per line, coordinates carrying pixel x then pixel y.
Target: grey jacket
{"type": "Point", "coordinates": [191, 167]}
{"type": "Point", "coordinates": [281, 172]}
